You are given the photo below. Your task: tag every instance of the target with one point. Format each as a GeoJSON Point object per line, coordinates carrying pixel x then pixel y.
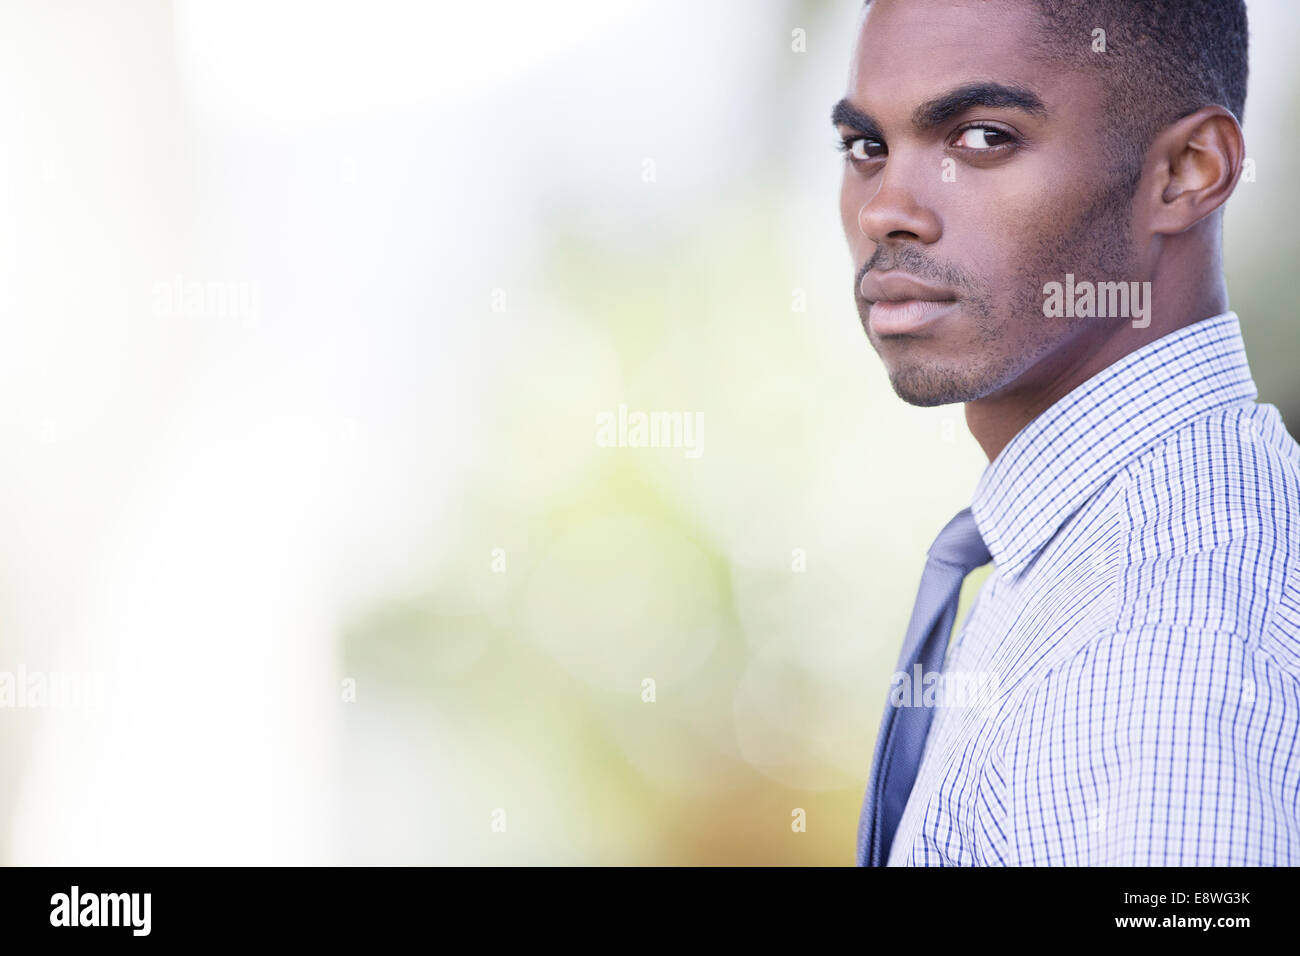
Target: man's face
{"type": "Point", "coordinates": [977, 173]}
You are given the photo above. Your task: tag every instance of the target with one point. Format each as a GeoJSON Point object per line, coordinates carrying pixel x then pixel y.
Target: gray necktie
{"type": "Point", "coordinates": [957, 551]}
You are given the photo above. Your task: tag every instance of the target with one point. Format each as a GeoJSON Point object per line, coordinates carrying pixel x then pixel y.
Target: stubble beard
{"type": "Point", "coordinates": [1010, 337]}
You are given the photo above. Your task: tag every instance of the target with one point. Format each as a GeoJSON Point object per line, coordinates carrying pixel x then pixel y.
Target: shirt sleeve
{"type": "Point", "coordinates": [1162, 746]}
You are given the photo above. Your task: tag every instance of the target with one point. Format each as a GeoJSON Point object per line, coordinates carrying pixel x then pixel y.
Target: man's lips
{"type": "Point", "coordinates": [905, 317]}
{"type": "Point", "coordinates": [901, 304]}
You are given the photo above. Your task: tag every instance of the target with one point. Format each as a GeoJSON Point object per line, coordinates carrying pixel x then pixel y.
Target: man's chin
{"type": "Point", "coordinates": [927, 387]}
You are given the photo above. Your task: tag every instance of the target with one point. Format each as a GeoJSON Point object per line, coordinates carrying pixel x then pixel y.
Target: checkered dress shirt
{"type": "Point", "coordinates": [1131, 666]}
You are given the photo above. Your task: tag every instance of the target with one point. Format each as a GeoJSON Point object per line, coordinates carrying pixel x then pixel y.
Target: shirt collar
{"type": "Point", "coordinates": [1061, 458]}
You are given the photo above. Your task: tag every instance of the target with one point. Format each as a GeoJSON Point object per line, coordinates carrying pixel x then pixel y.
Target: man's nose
{"type": "Point", "coordinates": [896, 210]}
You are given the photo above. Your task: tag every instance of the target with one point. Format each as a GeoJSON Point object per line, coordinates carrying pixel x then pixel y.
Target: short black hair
{"type": "Point", "coordinates": [1162, 60]}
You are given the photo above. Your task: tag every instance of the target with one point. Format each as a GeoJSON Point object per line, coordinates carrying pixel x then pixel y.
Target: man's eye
{"type": "Point", "coordinates": [982, 137]}
{"type": "Point", "coordinates": [861, 148]}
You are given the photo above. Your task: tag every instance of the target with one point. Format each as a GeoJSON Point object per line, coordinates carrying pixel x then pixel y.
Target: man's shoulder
{"type": "Point", "coordinates": [1240, 459]}
{"type": "Point", "coordinates": [1211, 525]}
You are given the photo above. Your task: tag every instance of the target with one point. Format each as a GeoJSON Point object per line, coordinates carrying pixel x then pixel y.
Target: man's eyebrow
{"type": "Point", "coordinates": [942, 108]}
{"type": "Point", "coordinates": [988, 95]}
{"type": "Point", "coordinates": [845, 113]}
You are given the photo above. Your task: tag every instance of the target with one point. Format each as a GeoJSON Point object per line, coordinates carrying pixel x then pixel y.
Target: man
{"type": "Point", "coordinates": [1032, 196]}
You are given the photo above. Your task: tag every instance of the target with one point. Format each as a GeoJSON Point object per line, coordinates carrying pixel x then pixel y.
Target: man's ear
{"type": "Point", "coordinates": [1197, 162]}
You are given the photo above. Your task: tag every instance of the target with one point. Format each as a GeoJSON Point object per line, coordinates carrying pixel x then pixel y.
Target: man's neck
{"type": "Point", "coordinates": [996, 419]}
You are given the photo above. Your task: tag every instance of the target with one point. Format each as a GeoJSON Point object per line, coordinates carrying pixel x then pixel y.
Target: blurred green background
{"type": "Point", "coordinates": [723, 288]}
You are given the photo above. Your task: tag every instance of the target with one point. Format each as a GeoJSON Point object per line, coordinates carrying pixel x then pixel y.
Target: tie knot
{"type": "Point", "coordinates": [960, 543]}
